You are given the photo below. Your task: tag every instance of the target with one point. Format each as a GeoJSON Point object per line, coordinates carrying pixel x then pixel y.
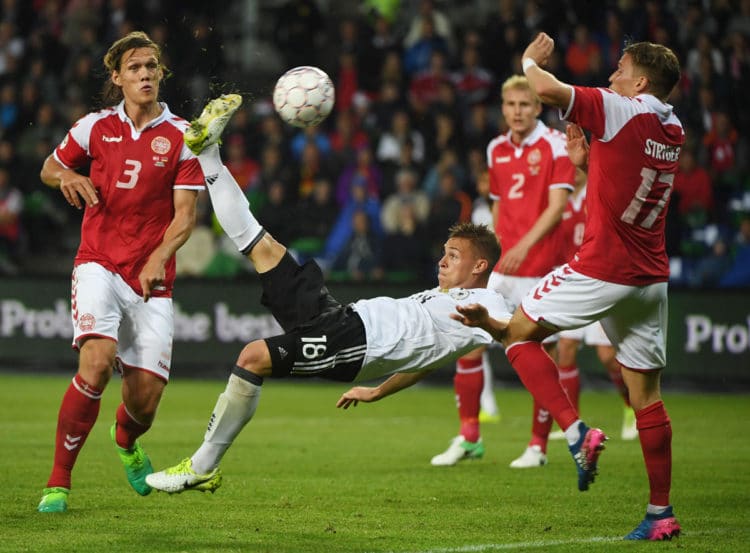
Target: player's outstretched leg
{"type": "Point", "coordinates": [586, 450]}
{"type": "Point", "coordinates": [656, 527]}
{"type": "Point", "coordinates": [234, 408]}
{"type": "Point", "coordinates": [206, 129]}
{"type": "Point", "coordinates": [136, 462]}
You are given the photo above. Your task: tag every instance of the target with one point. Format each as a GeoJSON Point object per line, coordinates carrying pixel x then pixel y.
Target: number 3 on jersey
{"type": "Point", "coordinates": [131, 171]}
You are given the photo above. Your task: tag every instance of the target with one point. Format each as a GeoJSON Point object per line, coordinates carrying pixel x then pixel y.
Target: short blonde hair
{"type": "Point", "coordinates": [519, 82]}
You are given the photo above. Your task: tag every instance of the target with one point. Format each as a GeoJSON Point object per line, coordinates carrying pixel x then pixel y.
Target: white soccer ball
{"type": "Point", "coordinates": [303, 96]}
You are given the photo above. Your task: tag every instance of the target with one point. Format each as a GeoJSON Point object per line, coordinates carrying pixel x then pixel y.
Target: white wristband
{"type": "Point", "coordinates": [526, 63]}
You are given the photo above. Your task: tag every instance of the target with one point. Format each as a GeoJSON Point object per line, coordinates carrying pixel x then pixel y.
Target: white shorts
{"type": "Point", "coordinates": [103, 306]}
{"type": "Point", "coordinates": [633, 317]}
{"type": "Point", "coordinates": [591, 335]}
{"type": "Point", "coordinates": [514, 289]}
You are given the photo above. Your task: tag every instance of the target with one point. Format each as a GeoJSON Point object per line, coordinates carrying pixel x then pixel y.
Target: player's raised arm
{"type": "Point", "coordinates": [552, 91]}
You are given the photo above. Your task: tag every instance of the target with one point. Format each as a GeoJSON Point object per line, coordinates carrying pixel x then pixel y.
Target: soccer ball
{"type": "Point", "coordinates": [303, 96]}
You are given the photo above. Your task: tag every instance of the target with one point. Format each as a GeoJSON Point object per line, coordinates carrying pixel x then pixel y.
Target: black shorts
{"type": "Point", "coordinates": [321, 337]}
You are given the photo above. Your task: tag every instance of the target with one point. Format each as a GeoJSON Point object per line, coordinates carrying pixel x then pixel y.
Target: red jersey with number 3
{"type": "Point", "coordinates": [635, 144]}
{"type": "Point", "coordinates": [135, 174]}
{"type": "Point", "coordinates": [521, 177]}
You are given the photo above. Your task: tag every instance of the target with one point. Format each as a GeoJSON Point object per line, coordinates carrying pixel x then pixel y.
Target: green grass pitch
{"type": "Point", "coordinates": [306, 477]}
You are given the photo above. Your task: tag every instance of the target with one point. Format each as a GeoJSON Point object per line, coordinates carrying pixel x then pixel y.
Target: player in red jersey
{"type": "Point", "coordinates": [531, 178]}
{"type": "Point", "coordinates": [570, 341]}
{"type": "Point", "coordinates": [620, 273]}
{"type": "Point", "coordinates": [140, 207]}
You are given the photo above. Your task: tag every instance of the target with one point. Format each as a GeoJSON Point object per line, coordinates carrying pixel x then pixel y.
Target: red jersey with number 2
{"type": "Point", "coordinates": [521, 177]}
{"type": "Point", "coordinates": [635, 144]}
{"type": "Point", "coordinates": [135, 174]}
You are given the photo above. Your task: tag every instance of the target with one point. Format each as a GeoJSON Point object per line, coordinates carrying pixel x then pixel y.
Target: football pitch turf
{"type": "Point", "coordinates": [306, 477]}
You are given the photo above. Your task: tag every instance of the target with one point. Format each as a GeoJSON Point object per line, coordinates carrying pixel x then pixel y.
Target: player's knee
{"type": "Point", "coordinates": [255, 358]}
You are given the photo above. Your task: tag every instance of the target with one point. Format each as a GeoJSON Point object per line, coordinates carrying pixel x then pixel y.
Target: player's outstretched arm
{"type": "Point", "coordinates": [476, 315]}
{"type": "Point", "coordinates": [368, 394]}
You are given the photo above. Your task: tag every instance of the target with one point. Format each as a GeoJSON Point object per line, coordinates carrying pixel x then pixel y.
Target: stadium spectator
{"type": "Point", "coordinates": [314, 217]}
{"type": "Point", "coordinates": [362, 256]}
{"type": "Point", "coordinates": [419, 55]}
{"type": "Point", "coordinates": [738, 274]}
{"type": "Point", "coordinates": [126, 257]}
{"type": "Point", "coordinates": [399, 131]}
{"type": "Point", "coordinates": [407, 194]}
{"type": "Point", "coordinates": [473, 82]}
{"type": "Point", "coordinates": [244, 169]}
{"type": "Point", "coordinates": [363, 169]}
{"type": "Point", "coordinates": [347, 139]}
{"type": "Point", "coordinates": [632, 292]}
{"type": "Point", "coordinates": [404, 254]}
{"type": "Point", "coordinates": [359, 200]}
{"type": "Point", "coordinates": [581, 52]}
{"type": "Point", "coordinates": [11, 206]}
{"type": "Point", "coordinates": [692, 185]}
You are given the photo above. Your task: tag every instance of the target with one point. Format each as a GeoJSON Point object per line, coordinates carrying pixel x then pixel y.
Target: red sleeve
{"type": "Point", "coordinates": [189, 173]}
{"type": "Point", "coordinates": [563, 171]}
{"type": "Point", "coordinates": [588, 109]}
{"type": "Point", "coordinates": [70, 153]}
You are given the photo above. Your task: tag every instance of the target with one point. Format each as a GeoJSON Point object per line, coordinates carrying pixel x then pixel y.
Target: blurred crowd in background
{"type": "Point", "coordinates": [371, 192]}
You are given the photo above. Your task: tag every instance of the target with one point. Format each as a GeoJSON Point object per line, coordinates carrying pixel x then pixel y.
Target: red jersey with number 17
{"type": "Point", "coordinates": [633, 159]}
{"type": "Point", "coordinates": [135, 174]}
{"type": "Point", "coordinates": [521, 177]}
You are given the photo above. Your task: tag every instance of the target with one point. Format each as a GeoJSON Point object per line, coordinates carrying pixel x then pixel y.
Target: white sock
{"type": "Point", "coordinates": [656, 509]}
{"type": "Point", "coordinates": [230, 204]}
{"type": "Point", "coordinates": [573, 433]}
{"type": "Point", "coordinates": [234, 409]}
{"type": "Point", "coordinates": [487, 398]}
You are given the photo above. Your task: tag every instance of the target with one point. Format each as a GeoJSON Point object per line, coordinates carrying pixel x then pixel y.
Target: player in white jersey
{"type": "Point", "coordinates": [620, 273]}
{"type": "Point", "coordinates": [405, 337]}
{"type": "Point", "coordinates": [140, 200]}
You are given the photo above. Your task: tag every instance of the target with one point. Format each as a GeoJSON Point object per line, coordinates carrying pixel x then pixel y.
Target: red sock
{"type": "Point", "coordinates": [615, 375]}
{"type": "Point", "coordinates": [468, 384]}
{"type": "Point", "coordinates": [128, 429]}
{"type": "Point", "coordinates": [570, 380]}
{"type": "Point", "coordinates": [540, 427]}
{"type": "Point", "coordinates": [78, 412]}
{"type": "Point", "coordinates": [539, 374]}
{"type": "Point", "coordinates": [655, 431]}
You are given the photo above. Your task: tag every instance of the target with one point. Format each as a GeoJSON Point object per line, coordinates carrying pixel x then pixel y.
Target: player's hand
{"type": "Point", "coordinates": [512, 259]}
{"type": "Point", "coordinates": [76, 187]}
{"type": "Point", "coordinates": [152, 277]}
{"type": "Point", "coordinates": [540, 48]}
{"type": "Point", "coordinates": [577, 145]}
{"type": "Point", "coordinates": [473, 314]}
{"type": "Point", "coordinates": [364, 394]}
